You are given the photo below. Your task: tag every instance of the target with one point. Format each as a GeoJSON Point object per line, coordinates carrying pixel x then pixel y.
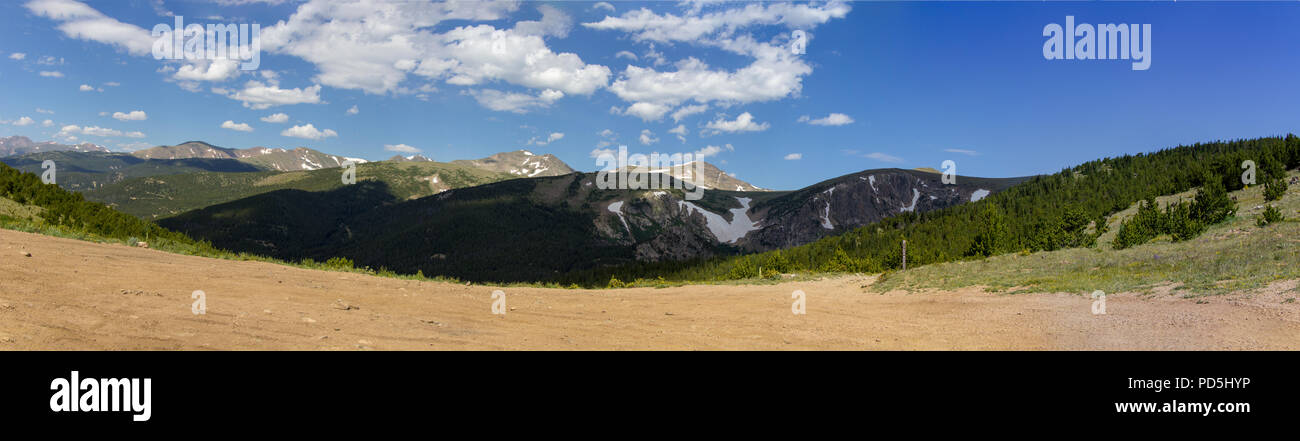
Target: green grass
{"type": "Point", "coordinates": [1231, 256]}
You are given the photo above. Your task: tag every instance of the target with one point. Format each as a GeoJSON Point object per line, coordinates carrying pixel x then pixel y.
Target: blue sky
{"type": "Point", "coordinates": [920, 82]}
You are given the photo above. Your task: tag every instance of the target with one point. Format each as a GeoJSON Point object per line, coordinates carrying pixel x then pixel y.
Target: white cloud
{"type": "Point", "coordinates": [208, 70]}
{"type": "Point", "coordinates": [645, 111]}
{"type": "Point", "coordinates": [626, 54]}
{"type": "Point", "coordinates": [112, 84]}
{"type": "Point", "coordinates": [238, 127]}
{"type": "Point", "coordinates": [555, 136]}
{"type": "Point", "coordinates": [794, 156]}
{"type": "Point", "coordinates": [134, 115]}
{"type": "Point", "coordinates": [257, 95]}
{"type": "Point", "coordinates": [646, 25]}
{"type": "Point", "coordinates": [647, 137]}
{"type": "Point", "coordinates": [774, 74]}
{"type": "Point", "coordinates": [883, 157]}
{"type": "Point", "coordinates": [688, 110]}
{"type": "Point", "coordinates": [69, 130]}
{"type": "Point", "coordinates": [87, 88]}
{"type": "Point", "coordinates": [834, 119]}
{"type": "Point", "coordinates": [47, 123]}
{"type": "Point", "coordinates": [680, 131]}
{"type": "Point", "coordinates": [598, 152]}
{"type": "Point", "coordinates": [712, 150]}
{"type": "Point", "coordinates": [24, 121]}
{"type": "Point", "coordinates": [17, 56]}
{"type": "Point", "coordinates": [308, 131]}
{"type": "Point", "coordinates": [513, 101]}
{"type": "Point", "coordinates": [276, 118]}
{"type": "Point", "coordinates": [603, 5]}
{"type": "Point", "coordinates": [83, 22]}
{"type": "Point", "coordinates": [353, 110]}
{"type": "Point", "coordinates": [45, 111]}
{"type": "Point", "coordinates": [962, 151]}
{"type": "Point", "coordinates": [373, 45]}
{"type": "Point", "coordinates": [401, 148]}
{"type": "Point", "coordinates": [743, 123]}
{"type": "Point", "coordinates": [51, 74]}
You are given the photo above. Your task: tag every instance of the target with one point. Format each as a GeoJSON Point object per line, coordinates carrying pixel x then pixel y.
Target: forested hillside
{"type": "Point", "coordinates": [1044, 213]}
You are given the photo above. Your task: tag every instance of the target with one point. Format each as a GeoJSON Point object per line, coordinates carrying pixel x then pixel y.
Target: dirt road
{"type": "Point", "coordinates": [77, 295]}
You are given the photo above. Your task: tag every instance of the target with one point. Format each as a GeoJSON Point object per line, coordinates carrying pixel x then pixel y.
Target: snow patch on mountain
{"type": "Point", "coordinates": [726, 232]}
{"type": "Point", "coordinates": [617, 208]}
{"type": "Point", "coordinates": [916, 195]}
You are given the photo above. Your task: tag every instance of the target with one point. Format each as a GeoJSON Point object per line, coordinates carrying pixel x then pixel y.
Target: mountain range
{"type": "Point", "coordinates": [512, 216]}
{"type": "Point", "coordinates": [21, 145]}
{"type": "Point", "coordinates": [533, 229]}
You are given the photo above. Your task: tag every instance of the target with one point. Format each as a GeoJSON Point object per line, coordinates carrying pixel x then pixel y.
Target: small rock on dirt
{"type": "Point", "coordinates": [25, 254]}
{"type": "Point", "coordinates": [345, 306]}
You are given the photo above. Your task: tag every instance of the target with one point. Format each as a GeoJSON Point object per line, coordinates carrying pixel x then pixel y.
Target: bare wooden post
{"type": "Point", "coordinates": [904, 254]}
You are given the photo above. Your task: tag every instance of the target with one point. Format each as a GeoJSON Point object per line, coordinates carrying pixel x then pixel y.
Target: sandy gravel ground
{"type": "Point", "coordinates": [77, 295]}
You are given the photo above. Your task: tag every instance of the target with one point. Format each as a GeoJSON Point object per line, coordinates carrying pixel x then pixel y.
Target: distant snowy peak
{"type": "Point", "coordinates": [521, 163]}
{"type": "Point", "coordinates": [279, 159]}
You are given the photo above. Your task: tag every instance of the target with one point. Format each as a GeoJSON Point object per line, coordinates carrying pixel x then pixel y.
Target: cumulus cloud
{"type": "Point", "coordinates": [794, 156]}
{"type": "Point", "coordinates": [308, 131]}
{"type": "Point", "coordinates": [646, 25]}
{"type": "Point", "coordinates": [88, 88]}
{"type": "Point", "coordinates": [401, 148]}
{"type": "Point", "coordinates": [743, 123]}
{"type": "Point", "coordinates": [238, 127]}
{"type": "Point", "coordinates": [69, 130]}
{"type": "Point", "coordinates": [689, 110]}
{"type": "Point", "coordinates": [834, 119]}
{"type": "Point", "coordinates": [51, 74]}
{"type": "Point", "coordinates": [17, 56]}
{"type": "Point", "coordinates": [645, 111]}
{"type": "Point", "coordinates": [555, 136]}
{"type": "Point", "coordinates": [374, 45]}
{"type": "Point", "coordinates": [77, 20]}
{"type": "Point", "coordinates": [277, 118]}
{"type": "Point", "coordinates": [353, 110]}
{"type": "Point", "coordinates": [603, 5]}
{"type": "Point", "coordinates": [775, 72]}
{"type": "Point", "coordinates": [47, 123]}
{"type": "Point", "coordinates": [680, 131]}
{"type": "Point", "coordinates": [712, 150]}
{"type": "Point", "coordinates": [647, 137]}
{"type": "Point", "coordinates": [208, 70]}
{"type": "Point", "coordinates": [24, 121]}
{"type": "Point", "coordinates": [134, 115]}
{"type": "Point", "coordinates": [257, 95]}
{"type": "Point", "coordinates": [514, 101]}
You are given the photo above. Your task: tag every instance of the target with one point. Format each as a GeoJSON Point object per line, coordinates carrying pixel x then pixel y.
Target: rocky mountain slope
{"type": "Point", "coordinates": [520, 163]}
{"type": "Point", "coordinates": [532, 229]}
{"type": "Point", "coordinates": [278, 159]}
{"type": "Point", "coordinates": [709, 176]}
